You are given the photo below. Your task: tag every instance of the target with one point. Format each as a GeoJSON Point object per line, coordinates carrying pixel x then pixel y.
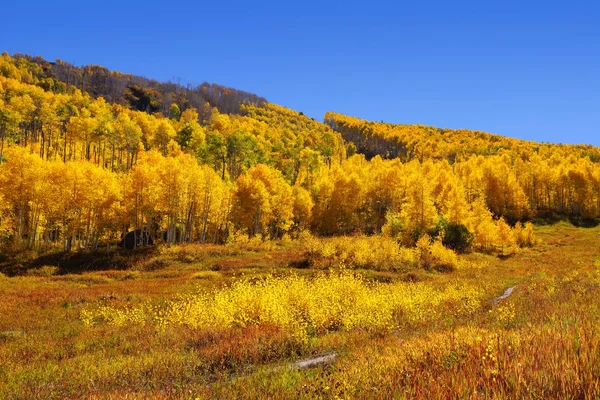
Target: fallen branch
{"type": "Point", "coordinates": [507, 293]}
{"type": "Point", "coordinates": [315, 361]}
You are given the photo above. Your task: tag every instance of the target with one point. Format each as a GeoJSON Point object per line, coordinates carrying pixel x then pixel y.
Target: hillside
{"type": "Point", "coordinates": [136, 92]}
{"type": "Point", "coordinates": [426, 142]}
{"type": "Point", "coordinates": [553, 178]}
{"type": "Point", "coordinates": [260, 170]}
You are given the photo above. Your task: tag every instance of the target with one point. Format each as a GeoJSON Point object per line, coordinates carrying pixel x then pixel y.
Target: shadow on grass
{"type": "Point", "coordinates": [579, 222]}
{"type": "Point", "coordinates": [584, 222]}
{"type": "Point", "coordinates": [79, 262]}
{"type": "Point", "coordinates": [547, 220]}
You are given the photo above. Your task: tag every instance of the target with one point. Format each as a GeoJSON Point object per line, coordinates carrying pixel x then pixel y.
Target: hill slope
{"type": "Point", "coordinates": [424, 142]}
{"type": "Point", "coordinates": [136, 92]}
{"type": "Point", "coordinates": [76, 168]}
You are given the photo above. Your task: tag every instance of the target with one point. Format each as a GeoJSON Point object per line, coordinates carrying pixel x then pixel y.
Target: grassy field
{"type": "Point", "coordinates": [230, 321]}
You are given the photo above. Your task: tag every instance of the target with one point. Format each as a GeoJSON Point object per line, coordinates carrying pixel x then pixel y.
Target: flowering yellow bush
{"type": "Point", "coordinates": [489, 360]}
{"type": "Point", "coordinates": [301, 306]}
{"type": "Point", "coordinates": [433, 255]}
{"type": "Point", "coordinates": [505, 313]}
{"type": "Point", "coordinates": [115, 316]}
{"type": "Point", "coordinates": [370, 252]}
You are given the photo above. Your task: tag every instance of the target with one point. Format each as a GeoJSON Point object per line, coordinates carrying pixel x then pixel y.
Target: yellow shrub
{"type": "Point", "coordinates": [433, 255]}
{"type": "Point", "coordinates": [300, 306]}
{"type": "Point", "coordinates": [369, 252]}
{"type": "Point", "coordinates": [240, 237]}
{"type": "Point", "coordinates": [524, 235]}
{"type": "Point", "coordinates": [505, 313]}
{"type": "Point", "coordinates": [305, 235]}
{"type": "Point", "coordinates": [286, 239]}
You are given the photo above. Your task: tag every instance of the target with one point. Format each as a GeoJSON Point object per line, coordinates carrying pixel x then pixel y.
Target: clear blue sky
{"type": "Point", "coordinates": [525, 69]}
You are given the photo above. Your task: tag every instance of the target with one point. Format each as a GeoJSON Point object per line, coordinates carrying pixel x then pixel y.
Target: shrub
{"type": "Point", "coordinates": [524, 235]}
{"type": "Point", "coordinates": [45, 270]}
{"type": "Point", "coordinates": [370, 252]}
{"type": "Point", "coordinates": [433, 255]}
{"type": "Point", "coordinates": [299, 306]}
{"type": "Point", "coordinates": [153, 264]}
{"type": "Point", "coordinates": [457, 237]}
{"type": "Point", "coordinates": [453, 235]}
{"type": "Point", "coordinates": [393, 225]}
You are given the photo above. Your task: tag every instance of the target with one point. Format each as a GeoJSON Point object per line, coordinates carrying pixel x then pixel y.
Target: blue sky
{"type": "Point", "coordinates": [525, 69]}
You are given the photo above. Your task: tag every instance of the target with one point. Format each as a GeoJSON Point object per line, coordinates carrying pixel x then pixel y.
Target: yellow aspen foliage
{"type": "Point", "coordinates": [190, 134]}
{"type": "Point", "coordinates": [506, 240]}
{"type": "Point", "coordinates": [81, 128]}
{"type": "Point", "coordinates": [309, 166]}
{"type": "Point", "coordinates": [303, 206]}
{"type": "Point", "coordinates": [482, 225]}
{"type": "Point", "coordinates": [142, 190]}
{"type": "Point", "coordinates": [418, 211]}
{"type": "Point", "coordinates": [433, 255]}
{"type": "Point", "coordinates": [88, 206]}
{"type": "Point", "coordinates": [6, 217]}
{"type": "Point", "coordinates": [263, 202]}
{"type": "Point", "coordinates": [172, 183]}
{"type": "Point", "coordinates": [23, 185]}
{"type": "Point", "coordinates": [163, 135]}
{"type": "Point", "coordinates": [524, 235]}
{"type": "Point", "coordinates": [129, 135]}
{"type": "Point", "coordinates": [172, 172]}
{"type": "Point", "coordinates": [385, 191]}
{"type": "Point", "coordinates": [339, 198]}
{"type": "Point", "coordinates": [455, 206]}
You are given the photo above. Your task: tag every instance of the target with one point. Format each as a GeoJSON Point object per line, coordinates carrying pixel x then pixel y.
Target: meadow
{"type": "Point", "coordinates": [230, 321]}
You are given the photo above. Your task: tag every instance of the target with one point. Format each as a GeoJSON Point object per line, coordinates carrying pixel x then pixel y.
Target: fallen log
{"type": "Point", "coordinates": [327, 358]}
{"type": "Point", "coordinates": [506, 294]}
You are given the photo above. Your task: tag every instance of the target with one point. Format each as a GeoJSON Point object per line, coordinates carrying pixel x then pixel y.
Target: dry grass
{"type": "Point", "coordinates": [538, 343]}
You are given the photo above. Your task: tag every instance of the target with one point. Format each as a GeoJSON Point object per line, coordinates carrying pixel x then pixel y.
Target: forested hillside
{"type": "Point", "coordinates": [87, 154]}
{"type": "Point", "coordinates": [518, 179]}
{"type": "Point", "coordinates": [422, 142]}
{"type": "Point", "coordinates": [136, 92]}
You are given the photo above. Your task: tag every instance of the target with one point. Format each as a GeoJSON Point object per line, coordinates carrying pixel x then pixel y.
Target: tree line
{"type": "Point", "coordinates": [78, 171]}
{"type": "Point", "coordinates": [136, 92]}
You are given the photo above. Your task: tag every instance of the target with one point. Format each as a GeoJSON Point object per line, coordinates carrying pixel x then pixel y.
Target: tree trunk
{"type": "Point", "coordinates": [2, 136]}
{"type": "Point", "coordinates": [65, 146]}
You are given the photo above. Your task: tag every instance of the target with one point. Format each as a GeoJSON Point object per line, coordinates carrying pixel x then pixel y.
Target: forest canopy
{"type": "Point", "coordinates": [87, 154]}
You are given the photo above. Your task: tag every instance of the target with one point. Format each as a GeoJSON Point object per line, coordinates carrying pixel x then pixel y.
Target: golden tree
{"type": "Point", "coordinates": [263, 202]}
{"type": "Point", "coordinates": [418, 212]}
